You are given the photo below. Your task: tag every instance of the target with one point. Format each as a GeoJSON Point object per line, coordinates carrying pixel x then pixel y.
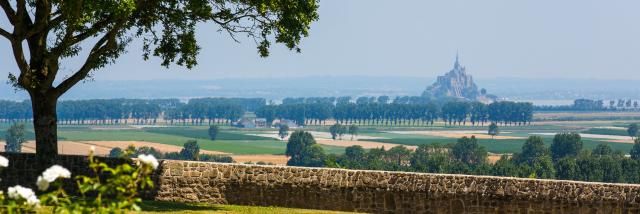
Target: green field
{"type": "Point", "coordinates": [243, 141]}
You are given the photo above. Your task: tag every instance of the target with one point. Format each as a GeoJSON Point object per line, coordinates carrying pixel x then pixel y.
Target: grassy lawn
{"type": "Point", "coordinates": [172, 207]}
{"type": "Point", "coordinates": [151, 207]}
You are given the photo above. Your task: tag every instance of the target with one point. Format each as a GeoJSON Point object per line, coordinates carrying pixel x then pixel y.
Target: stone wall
{"type": "Point", "coordinates": [379, 191]}
{"type": "Point", "coordinates": [357, 190]}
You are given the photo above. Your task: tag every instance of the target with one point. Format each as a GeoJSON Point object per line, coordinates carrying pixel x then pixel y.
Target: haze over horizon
{"type": "Point", "coordinates": [496, 39]}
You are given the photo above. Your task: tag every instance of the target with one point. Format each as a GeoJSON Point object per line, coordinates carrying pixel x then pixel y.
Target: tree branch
{"type": "Point", "coordinates": [11, 15]}
{"type": "Point", "coordinates": [6, 34]}
{"type": "Point", "coordinates": [102, 47]}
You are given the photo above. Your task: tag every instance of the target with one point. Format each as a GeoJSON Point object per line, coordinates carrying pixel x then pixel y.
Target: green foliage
{"type": "Point", "coordinates": [633, 130]}
{"type": "Point", "coordinates": [213, 132]}
{"type": "Point", "coordinates": [353, 130]}
{"type": "Point", "coordinates": [215, 158]}
{"type": "Point", "coordinates": [109, 190]}
{"type": "Point", "coordinates": [602, 149]}
{"type": "Point", "coordinates": [493, 130]}
{"type": "Point", "coordinates": [635, 151]}
{"type": "Point", "coordinates": [283, 131]}
{"type": "Point", "coordinates": [14, 138]}
{"type": "Point", "coordinates": [531, 149]}
{"type": "Point", "coordinates": [116, 152]}
{"type": "Point", "coordinates": [354, 157]}
{"type": "Point", "coordinates": [467, 151]}
{"type": "Point", "coordinates": [566, 144]}
{"type": "Point", "coordinates": [337, 130]}
{"type": "Point", "coordinates": [505, 167]}
{"type": "Point", "coordinates": [190, 150]}
{"type": "Point", "coordinates": [566, 168]}
{"type": "Point", "coordinates": [303, 151]}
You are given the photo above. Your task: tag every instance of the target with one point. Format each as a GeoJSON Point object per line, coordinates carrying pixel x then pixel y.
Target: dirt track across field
{"type": "Point", "coordinates": [103, 147]}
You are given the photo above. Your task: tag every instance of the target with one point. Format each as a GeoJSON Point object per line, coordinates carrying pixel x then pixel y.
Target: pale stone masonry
{"type": "Point", "coordinates": [380, 191]}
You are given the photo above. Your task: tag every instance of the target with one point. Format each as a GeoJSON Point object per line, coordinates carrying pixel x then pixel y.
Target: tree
{"type": "Point", "coordinates": [633, 131]}
{"type": "Point", "coordinates": [635, 150]}
{"type": "Point", "coordinates": [190, 150]}
{"type": "Point", "coordinates": [602, 149]}
{"type": "Point", "coordinates": [298, 148]}
{"type": "Point", "coordinates": [532, 149]}
{"type": "Point", "coordinates": [468, 151]}
{"type": "Point", "coordinates": [57, 30]}
{"type": "Point", "coordinates": [354, 157]}
{"type": "Point", "coordinates": [337, 130]}
{"type": "Point", "coordinates": [493, 130]}
{"type": "Point", "coordinates": [14, 138]}
{"type": "Point", "coordinates": [566, 144]}
{"type": "Point", "coordinates": [213, 132]}
{"type": "Point", "coordinates": [505, 167]}
{"type": "Point", "coordinates": [353, 130]}
{"type": "Point", "coordinates": [283, 131]}
{"type": "Point", "coordinates": [116, 152]}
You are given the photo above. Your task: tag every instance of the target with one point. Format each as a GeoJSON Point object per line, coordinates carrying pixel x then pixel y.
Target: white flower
{"type": "Point", "coordinates": [18, 192]}
{"type": "Point", "coordinates": [148, 160]}
{"type": "Point", "coordinates": [42, 183]}
{"type": "Point", "coordinates": [54, 172]}
{"type": "Point", "coordinates": [33, 200]}
{"type": "Point", "coordinates": [92, 149]}
{"type": "Point", "coordinates": [4, 162]}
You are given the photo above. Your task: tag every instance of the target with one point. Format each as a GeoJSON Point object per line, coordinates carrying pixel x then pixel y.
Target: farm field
{"type": "Point", "coordinates": [263, 145]}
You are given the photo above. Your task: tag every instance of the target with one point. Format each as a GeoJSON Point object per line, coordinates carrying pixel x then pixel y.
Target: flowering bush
{"type": "Point", "coordinates": [107, 190]}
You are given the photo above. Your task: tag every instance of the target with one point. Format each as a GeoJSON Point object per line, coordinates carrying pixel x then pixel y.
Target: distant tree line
{"type": "Point", "coordinates": [138, 111]}
{"type": "Point", "coordinates": [373, 112]}
{"type": "Point", "coordinates": [593, 105]}
{"type": "Point", "coordinates": [303, 111]}
{"type": "Point", "coordinates": [565, 159]}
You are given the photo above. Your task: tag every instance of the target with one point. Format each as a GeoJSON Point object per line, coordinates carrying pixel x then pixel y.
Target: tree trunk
{"type": "Point", "coordinates": [45, 127]}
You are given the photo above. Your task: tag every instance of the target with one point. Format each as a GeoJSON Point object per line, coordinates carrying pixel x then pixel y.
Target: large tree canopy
{"type": "Point", "coordinates": [57, 29]}
{"type": "Point", "coordinates": [52, 30]}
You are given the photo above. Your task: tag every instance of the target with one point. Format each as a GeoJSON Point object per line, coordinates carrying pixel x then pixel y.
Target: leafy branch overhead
{"type": "Point", "coordinates": [58, 29]}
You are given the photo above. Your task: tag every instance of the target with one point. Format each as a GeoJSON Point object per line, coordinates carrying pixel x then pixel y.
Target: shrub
{"type": "Point", "coordinates": [107, 190]}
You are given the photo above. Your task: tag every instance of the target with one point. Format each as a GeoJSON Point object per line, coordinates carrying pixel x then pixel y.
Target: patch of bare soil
{"type": "Point", "coordinates": [364, 144]}
{"type": "Point", "coordinates": [102, 148]}
{"type": "Point", "coordinates": [274, 159]}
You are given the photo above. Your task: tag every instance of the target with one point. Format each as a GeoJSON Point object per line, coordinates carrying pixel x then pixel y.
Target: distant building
{"type": "Point", "coordinates": [289, 123]}
{"type": "Point", "coordinates": [251, 123]}
{"type": "Point", "coordinates": [457, 84]}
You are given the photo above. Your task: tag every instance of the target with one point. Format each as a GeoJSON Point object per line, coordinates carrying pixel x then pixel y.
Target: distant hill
{"type": "Point", "coordinates": [457, 84]}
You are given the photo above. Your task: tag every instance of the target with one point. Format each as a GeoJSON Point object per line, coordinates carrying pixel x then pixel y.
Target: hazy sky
{"type": "Point", "coordinates": [495, 38]}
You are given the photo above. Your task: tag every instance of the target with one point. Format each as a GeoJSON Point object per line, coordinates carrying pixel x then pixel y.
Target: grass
{"type": "Point", "coordinates": [606, 131]}
{"type": "Point", "coordinates": [203, 133]}
{"type": "Point", "coordinates": [153, 207]}
{"type": "Point", "coordinates": [271, 146]}
{"type": "Point", "coordinates": [173, 207]}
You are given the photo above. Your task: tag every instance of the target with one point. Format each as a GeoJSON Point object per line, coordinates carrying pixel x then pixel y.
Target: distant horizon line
{"type": "Point", "coordinates": [370, 76]}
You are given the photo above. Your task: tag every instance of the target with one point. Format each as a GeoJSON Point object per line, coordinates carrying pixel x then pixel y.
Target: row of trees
{"type": "Point", "coordinates": [564, 159]}
{"type": "Point", "coordinates": [593, 105]}
{"type": "Point", "coordinates": [376, 113]}
{"type": "Point", "coordinates": [138, 111]}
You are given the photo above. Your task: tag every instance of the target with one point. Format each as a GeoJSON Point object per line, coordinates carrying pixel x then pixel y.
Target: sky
{"type": "Point", "coordinates": [585, 39]}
